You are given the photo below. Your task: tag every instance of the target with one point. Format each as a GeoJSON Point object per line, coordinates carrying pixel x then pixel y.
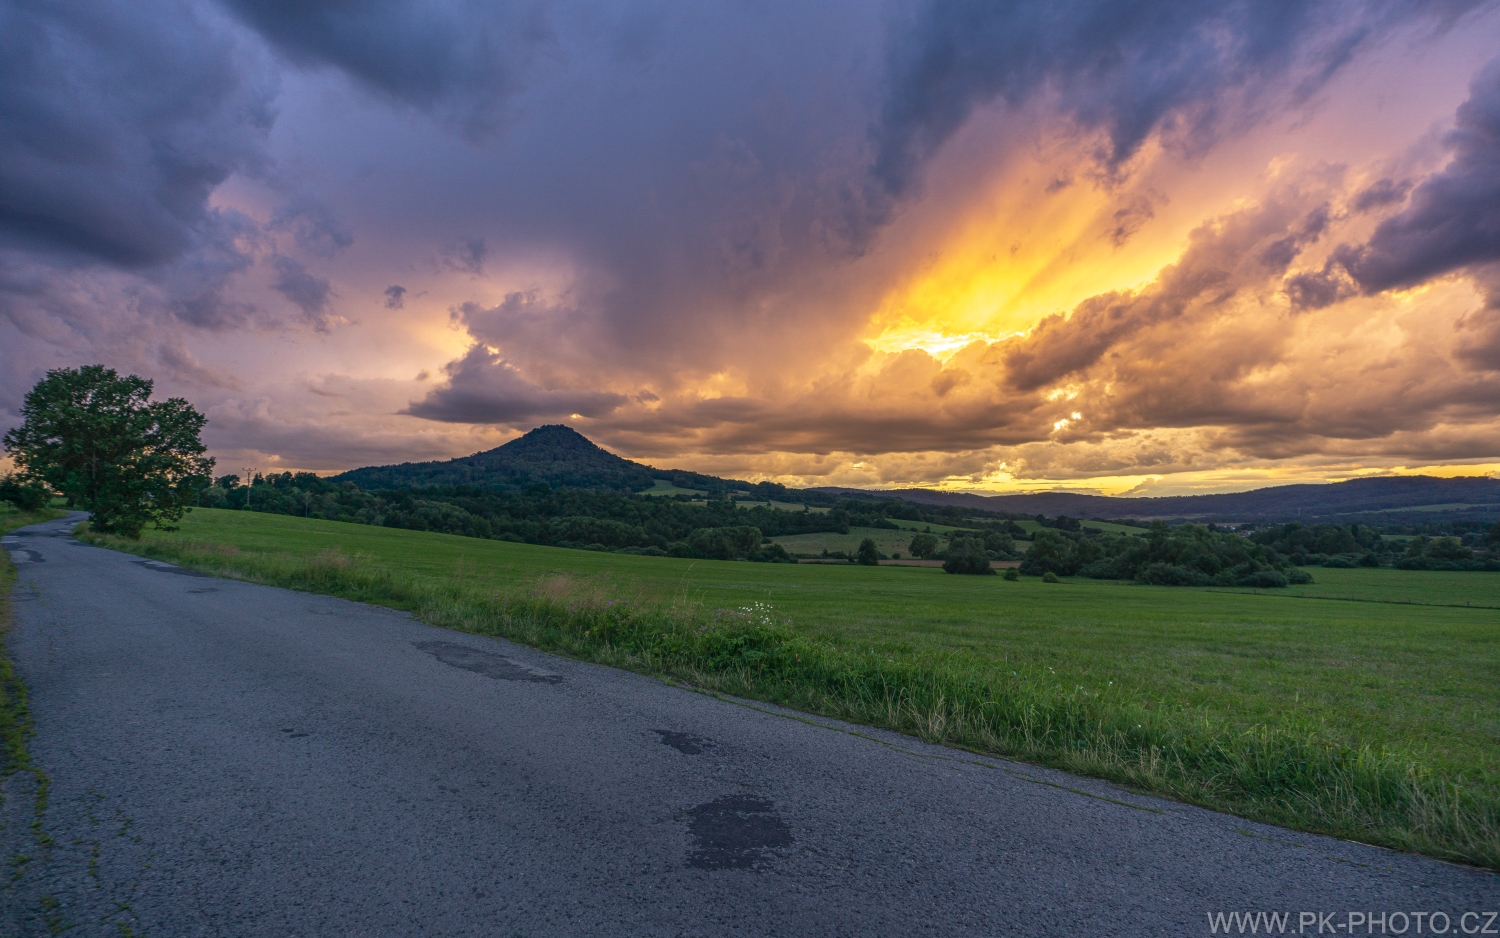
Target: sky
{"type": "Point", "coordinates": [1136, 248]}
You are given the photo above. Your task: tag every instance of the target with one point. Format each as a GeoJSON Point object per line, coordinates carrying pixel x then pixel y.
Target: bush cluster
{"type": "Point", "coordinates": [24, 494]}
{"type": "Point", "coordinates": [1355, 545]}
{"type": "Point", "coordinates": [1185, 555]}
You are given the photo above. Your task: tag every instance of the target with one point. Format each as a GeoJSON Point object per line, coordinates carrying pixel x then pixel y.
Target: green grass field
{"type": "Point", "coordinates": [886, 541]}
{"type": "Point", "coordinates": [1034, 526]}
{"type": "Point", "coordinates": [1377, 720]}
{"type": "Point", "coordinates": [779, 506]}
{"type": "Point", "coordinates": [662, 487]}
{"type": "Point", "coordinates": [915, 526]}
{"type": "Point", "coordinates": [1476, 590]}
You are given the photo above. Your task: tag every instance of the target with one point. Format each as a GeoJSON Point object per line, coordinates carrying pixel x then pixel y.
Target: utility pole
{"type": "Point", "coordinates": [249, 485]}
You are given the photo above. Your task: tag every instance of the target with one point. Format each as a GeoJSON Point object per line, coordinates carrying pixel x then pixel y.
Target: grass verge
{"type": "Point", "coordinates": [1296, 771]}
{"type": "Point", "coordinates": [15, 718]}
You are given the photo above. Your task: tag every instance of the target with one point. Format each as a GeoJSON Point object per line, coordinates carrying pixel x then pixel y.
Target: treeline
{"type": "Point", "coordinates": [591, 520]}
{"type": "Point", "coordinates": [1355, 545]}
{"type": "Point", "coordinates": [1181, 555]}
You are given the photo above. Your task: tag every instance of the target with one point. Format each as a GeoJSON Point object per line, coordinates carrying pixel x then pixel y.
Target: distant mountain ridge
{"type": "Point", "coordinates": [1356, 497]}
{"type": "Point", "coordinates": [561, 457]}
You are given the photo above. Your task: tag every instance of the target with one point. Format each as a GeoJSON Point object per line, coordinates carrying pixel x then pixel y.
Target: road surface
{"type": "Point", "coordinates": [237, 760]}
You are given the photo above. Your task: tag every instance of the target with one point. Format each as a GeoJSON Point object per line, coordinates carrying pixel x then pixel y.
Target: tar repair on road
{"type": "Point", "coordinates": [229, 759]}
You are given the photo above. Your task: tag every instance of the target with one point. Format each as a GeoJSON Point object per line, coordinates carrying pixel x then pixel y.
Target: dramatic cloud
{"type": "Point", "coordinates": [461, 59]}
{"type": "Point", "coordinates": [117, 125]}
{"type": "Point", "coordinates": [293, 281]}
{"type": "Point", "coordinates": [1184, 67]}
{"type": "Point", "coordinates": [843, 242]}
{"type": "Point", "coordinates": [1453, 220]}
{"type": "Point", "coordinates": [487, 389]}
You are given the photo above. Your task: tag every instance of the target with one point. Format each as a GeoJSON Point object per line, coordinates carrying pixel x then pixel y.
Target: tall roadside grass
{"type": "Point", "coordinates": [1288, 774]}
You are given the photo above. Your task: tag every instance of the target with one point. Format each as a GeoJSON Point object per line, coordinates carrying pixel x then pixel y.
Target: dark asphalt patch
{"type": "Point", "coordinates": [485, 662]}
{"type": "Point", "coordinates": [22, 555]}
{"type": "Point", "coordinates": [160, 567]}
{"type": "Point", "coordinates": [685, 743]}
{"type": "Point", "coordinates": [734, 833]}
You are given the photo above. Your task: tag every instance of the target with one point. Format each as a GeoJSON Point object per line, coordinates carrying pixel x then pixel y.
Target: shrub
{"type": "Point", "coordinates": [1050, 577]}
{"type": "Point", "coordinates": [1267, 579]}
{"type": "Point", "coordinates": [970, 562]}
{"type": "Point", "coordinates": [28, 496]}
{"type": "Point", "coordinates": [1012, 574]}
{"type": "Point", "coordinates": [1168, 574]}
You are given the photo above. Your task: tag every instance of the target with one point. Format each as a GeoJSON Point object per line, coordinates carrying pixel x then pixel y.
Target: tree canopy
{"type": "Point", "coordinates": [101, 441]}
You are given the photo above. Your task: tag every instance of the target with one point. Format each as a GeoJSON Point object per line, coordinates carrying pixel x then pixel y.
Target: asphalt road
{"type": "Point", "coordinates": [237, 760]}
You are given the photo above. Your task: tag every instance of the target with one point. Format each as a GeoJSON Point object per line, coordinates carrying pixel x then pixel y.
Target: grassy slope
{"type": "Point", "coordinates": [1243, 690]}
{"type": "Point", "coordinates": [1034, 526]}
{"type": "Point", "coordinates": [886, 541]}
{"type": "Point", "coordinates": [663, 487]}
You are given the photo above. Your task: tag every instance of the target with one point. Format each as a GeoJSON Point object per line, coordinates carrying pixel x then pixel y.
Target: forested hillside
{"type": "Point", "coordinates": [553, 455]}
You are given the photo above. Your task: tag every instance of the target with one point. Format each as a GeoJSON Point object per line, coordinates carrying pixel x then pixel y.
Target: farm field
{"type": "Point", "coordinates": [915, 526]}
{"type": "Point", "coordinates": [661, 487]}
{"type": "Point", "coordinates": [1419, 587]}
{"type": "Point", "coordinates": [779, 506]}
{"type": "Point", "coordinates": [886, 541]}
{"type": "Point", "coordinates": [1414, 681]}
{"type": "Point", "coordinates": [1374, 672]}
{"type": "Point", "coordinates": [1033, 526]}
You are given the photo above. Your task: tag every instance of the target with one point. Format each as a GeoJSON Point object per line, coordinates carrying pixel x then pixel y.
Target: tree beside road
{"type": "Point", "coordinates": [100, 440]}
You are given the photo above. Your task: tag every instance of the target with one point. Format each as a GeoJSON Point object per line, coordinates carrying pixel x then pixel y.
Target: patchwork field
{"type": "Point", "coordinates": [1405, 675]}
{"type": "Point", "coordinates": [886, 541]}
{"type": "Point", "coordinates": [1033, 526]}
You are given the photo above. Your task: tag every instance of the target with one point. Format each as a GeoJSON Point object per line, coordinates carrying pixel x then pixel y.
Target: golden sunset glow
{"type": "Point", "coordinates": [1038, 241]}
{"type": "Point", "coordinates": [1143, 263]}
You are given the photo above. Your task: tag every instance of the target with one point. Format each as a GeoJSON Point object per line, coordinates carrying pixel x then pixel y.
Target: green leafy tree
{"type": "Point", "coordinates": [923, 545]}
{"type": "Point", "coordinates": [100, 440]}
{"type": "Point", "coordinates": [970, 562]}
{"type": "Point", "coordinates": [868, 553]}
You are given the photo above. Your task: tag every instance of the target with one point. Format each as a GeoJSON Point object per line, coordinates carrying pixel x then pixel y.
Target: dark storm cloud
{"type": "Point", "coordinates": [461, 58]}
{"type": "Point", "coordinates": [1379, 194]}
{"type": "Point", "coordinates": [116, 122]}
{"type": "Point", "coordinates": [1453, 220]}
{"type": "Point", "coordinates": [1125, 70]}
{"type": "Point", "coordinates": [466, 256]}
{"type": "Point", "coordinates": [484, 388]}
{"type": "Point", "coordinates": [311, 293]}
{"type": "Point", "coordinates": [395, 296]}
{"type": "Point", "coordinates": [314, 226]}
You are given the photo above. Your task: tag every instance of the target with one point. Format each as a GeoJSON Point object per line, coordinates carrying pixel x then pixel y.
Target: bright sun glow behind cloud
{"type": "Point", "coordinates": [1037, 242]}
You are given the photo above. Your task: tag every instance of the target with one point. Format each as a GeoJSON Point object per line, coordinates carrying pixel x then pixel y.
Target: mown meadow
{"type": "Point", "coordinates": [1363, 705]}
